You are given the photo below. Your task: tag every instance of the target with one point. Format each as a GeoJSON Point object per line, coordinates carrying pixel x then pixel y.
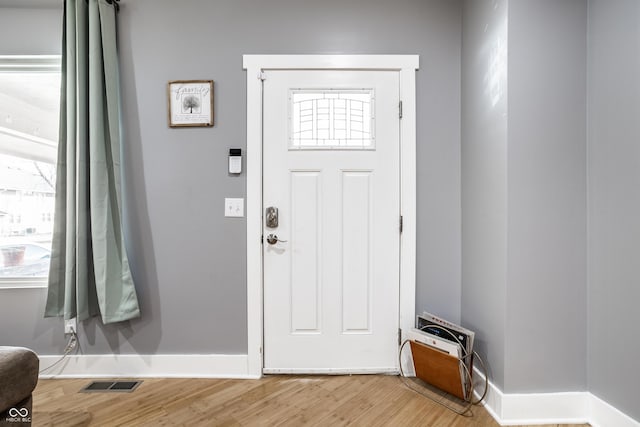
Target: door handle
{"type": "Point", "coordinates": [272, 239]}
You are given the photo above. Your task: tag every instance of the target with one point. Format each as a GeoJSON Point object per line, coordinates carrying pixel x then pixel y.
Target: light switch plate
{"type": "Point", "coordinates": [234, 207]}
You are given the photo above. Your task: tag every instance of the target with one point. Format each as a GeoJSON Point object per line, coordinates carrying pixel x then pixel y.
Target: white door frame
{"type": "Point", "coordinates": [406, 65]}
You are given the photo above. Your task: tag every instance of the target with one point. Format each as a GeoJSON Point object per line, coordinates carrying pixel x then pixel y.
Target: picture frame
{"type": "Point", "coordinates": [190, 103]}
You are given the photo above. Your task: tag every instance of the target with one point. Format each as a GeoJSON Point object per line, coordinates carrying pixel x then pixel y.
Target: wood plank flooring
{"type": "Point", "coordinates": [359, 400]}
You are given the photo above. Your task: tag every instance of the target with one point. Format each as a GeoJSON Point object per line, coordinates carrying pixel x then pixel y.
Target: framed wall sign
{"type": "Point", "coordinates": [190, 103]}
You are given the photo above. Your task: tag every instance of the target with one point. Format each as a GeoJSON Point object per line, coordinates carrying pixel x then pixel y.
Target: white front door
{"type": "Point", "coordinates": [331, 169]}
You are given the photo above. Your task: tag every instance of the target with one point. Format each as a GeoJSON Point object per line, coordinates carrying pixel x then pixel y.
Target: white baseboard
{"type": "Point", "coordinates": [552, 408]}
{"type": "Point", "coordinates": [142, 366]}
{"type": "Point", "coordinates": [603, 414]}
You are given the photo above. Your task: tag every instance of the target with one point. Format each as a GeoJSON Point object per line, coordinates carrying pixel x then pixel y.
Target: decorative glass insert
{"type": "Point", "coordinates": [332, 119]}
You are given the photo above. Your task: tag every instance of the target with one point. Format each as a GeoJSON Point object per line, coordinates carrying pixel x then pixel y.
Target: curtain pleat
{"type": "Point", "coordinates": [89, 273]}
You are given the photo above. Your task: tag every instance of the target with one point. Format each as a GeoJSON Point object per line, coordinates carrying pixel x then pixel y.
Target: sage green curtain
{"type": "Point", "coordinates": [89, 273]}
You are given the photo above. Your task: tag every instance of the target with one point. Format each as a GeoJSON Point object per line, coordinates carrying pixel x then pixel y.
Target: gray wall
{"type": "Point", "coordinates": [524, 190]}
{"type": "Point", "coordinates": [484, 178]}
{"type": "Point", "coordinates": [188, 260]}
{"type": "Point", "coordinates": [614, 202]}
{"type": "Point", "coordinates": [18, 25]}
{"type": "Point", "coordinates": [546, 235]}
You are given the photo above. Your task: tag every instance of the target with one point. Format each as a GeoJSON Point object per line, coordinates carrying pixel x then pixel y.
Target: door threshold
{"type": "Point", "coordinates": [331, 371]}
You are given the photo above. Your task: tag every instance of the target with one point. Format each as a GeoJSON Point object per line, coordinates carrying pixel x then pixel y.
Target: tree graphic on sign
{"type": "Point", "coordinates": [189, 103]}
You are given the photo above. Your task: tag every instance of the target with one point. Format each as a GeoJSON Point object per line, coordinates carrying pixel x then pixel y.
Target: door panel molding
{"type": "Point", "coordinates": [255, 65]}
{"type": "Point", "coordinates": [356, 212]}
{"type": "Point", "coordinates": [305, 204]}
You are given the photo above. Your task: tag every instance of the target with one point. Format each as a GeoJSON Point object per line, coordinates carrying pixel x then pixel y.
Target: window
{"type": "Point", "coordinates": [29, 115]}
{"type": "Point", "coordinates": [331, 119]}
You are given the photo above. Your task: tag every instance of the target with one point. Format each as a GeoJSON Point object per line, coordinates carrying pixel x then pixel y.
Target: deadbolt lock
{"type": "Point", "coordinates": [271, 216]}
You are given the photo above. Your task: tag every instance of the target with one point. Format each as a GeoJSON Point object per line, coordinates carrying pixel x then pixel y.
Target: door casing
{"type": "Point", "coordinates": [406, 65]}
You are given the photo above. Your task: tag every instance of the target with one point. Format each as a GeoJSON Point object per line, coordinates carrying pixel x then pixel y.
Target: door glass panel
{"type": "Point", "coordinates": [331, 119]}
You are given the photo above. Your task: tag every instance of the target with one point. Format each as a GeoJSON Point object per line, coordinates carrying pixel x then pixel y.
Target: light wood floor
{"type": "Point", "coordinates": [362, 400]}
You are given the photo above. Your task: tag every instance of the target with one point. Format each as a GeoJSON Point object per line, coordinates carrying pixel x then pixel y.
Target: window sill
{"type": "Point", "coordinates": [23, 283]}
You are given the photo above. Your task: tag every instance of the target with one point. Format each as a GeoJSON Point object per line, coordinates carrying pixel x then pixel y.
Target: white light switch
{"type": "Point", "coordinates": [234, 207]}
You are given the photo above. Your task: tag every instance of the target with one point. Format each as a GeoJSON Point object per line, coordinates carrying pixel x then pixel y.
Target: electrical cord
{"type": "Point", "coordinates": [71, 344]}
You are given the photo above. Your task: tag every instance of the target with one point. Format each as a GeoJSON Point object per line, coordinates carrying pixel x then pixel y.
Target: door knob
{"type": "Point", "coordinates": [272, 239]}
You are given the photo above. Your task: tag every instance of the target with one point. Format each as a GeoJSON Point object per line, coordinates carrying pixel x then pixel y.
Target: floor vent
{"type": "Point", "coordinates": [111, 386]}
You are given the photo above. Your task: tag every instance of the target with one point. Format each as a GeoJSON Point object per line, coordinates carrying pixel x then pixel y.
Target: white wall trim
{"type": "Point", "coordinates": [552, 408]}
{"type": "Point", "coordinates": [602, 414]}
{"type": "Point", "coordinates": [143, 366]}
{"type": "Point", "coordinates": [31, 63]}
{"type": "Point", "coordinates": [23, 283]}
{"type": "Point", "coordinates": [336, 62]}
{"type": "Point", "coordinates": [255, 64]}
{"type": "Point", "coordinates": [408, 191]}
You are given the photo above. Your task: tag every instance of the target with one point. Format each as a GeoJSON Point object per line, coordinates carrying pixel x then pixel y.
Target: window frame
{"type": "Point", "coordinates": [28, 64]}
